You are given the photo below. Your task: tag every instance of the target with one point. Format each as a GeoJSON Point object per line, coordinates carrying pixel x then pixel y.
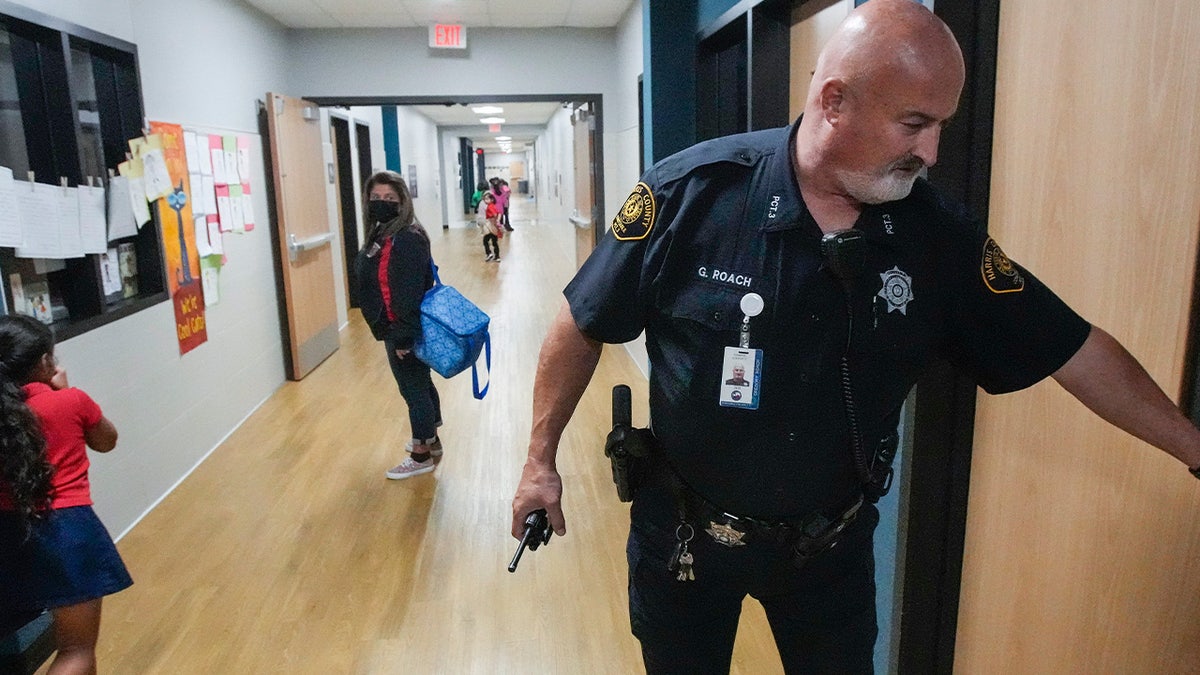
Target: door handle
{"type": "Point", "coordinates": [579, 222]}
{"type": "Point", "coordinates": [295, 246]}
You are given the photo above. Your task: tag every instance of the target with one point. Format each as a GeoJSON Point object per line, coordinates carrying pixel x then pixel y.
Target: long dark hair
{"type": "Point", "coordinates": [23, 463]}
{"type": "Point", "coordinates": [407, 220]}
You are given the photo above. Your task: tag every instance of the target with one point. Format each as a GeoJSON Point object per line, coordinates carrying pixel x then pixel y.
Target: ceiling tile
{"type": "Point", "coordinates": [273, 6]}
{"type": "Point", "coordinates": [479, 13]}
{"type": "Point", "coordinates": [529, 20]}
{"type": "Point", "coordinates": [424, 14]}
{"type": "Point", "coordinates": [590, 15]}
{"type": "Point", "coordinates": [468, 12]}
{"type": "Point", "coordinates": [377, 19]}
{"type": "Point", "coordinates": [297, 19]}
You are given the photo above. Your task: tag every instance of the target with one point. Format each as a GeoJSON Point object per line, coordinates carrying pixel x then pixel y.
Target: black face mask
{"type": "Point", "coordinates": [382, 211]}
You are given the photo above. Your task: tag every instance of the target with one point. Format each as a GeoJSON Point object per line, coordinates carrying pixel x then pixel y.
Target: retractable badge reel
{"type": "Point", "coordinates": [741, 372]}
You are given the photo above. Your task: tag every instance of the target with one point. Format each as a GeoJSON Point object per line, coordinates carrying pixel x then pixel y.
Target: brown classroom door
{"type": "Point", "coordinates": [302, 226]}
{"type": "Point", "coordinates": [585, 223]}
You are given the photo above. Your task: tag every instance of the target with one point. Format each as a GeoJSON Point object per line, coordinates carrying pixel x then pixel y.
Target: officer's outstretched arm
{"type": "Point", "coordinates": [1111, 383]}
{"type": "Point", "coordinates": [565, 366]}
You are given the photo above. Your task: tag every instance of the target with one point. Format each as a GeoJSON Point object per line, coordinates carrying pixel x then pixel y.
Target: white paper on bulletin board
{"type": "Point", "coordinates": [249, 155]}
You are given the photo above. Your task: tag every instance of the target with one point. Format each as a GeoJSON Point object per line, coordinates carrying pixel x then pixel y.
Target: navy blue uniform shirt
{"type": "Point", "coordinates": [724, 218]}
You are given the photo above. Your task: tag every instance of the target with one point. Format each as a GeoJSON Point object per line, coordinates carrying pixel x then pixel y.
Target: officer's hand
{"type": "Point", "coordinates": [540, 488]}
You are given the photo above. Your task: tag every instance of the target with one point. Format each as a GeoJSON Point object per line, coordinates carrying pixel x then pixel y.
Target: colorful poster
{"type": "Point", "coordinates": [179, 242]}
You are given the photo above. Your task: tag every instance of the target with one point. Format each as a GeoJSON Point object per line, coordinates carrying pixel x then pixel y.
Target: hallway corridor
{"type": "Point", "coordinates": [288, 551]}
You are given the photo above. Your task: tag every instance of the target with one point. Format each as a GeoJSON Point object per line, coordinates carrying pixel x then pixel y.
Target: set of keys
{"type": "Point", "coordinates": [681, 558]}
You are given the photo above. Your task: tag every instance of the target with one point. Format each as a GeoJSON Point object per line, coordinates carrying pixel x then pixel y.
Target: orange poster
{"type": "Point", "coordinates": [179, 241]}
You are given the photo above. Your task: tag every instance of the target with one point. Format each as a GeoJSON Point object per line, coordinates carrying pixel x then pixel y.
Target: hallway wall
{"type": "Point", "coordinates": [497, 62]}
{"type": "Point", "coordinates": [171, 411]}
{"type": "Point", "coordinates": [621, 130]}
{"type": "Point", "coordinates": [555, 159]}
{"type": "Point", "coordinates": [418, 149]}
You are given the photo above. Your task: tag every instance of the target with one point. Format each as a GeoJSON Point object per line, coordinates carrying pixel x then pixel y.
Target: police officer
{"type": "Point", "coordinates": [814, 258]}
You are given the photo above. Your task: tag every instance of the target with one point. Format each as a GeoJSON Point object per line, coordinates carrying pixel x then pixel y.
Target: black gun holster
{"type": "Point", "coordinates": [628, 449]}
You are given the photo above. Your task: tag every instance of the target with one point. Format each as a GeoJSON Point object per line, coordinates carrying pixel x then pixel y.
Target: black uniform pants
{"type": "Point", "coordinates": [822, 616]}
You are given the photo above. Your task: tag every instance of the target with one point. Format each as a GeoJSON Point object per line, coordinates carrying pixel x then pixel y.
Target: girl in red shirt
{"type": "Point", "coordinates": [491, 227]}
{"type": "Point", "coordinates": [54, 552]}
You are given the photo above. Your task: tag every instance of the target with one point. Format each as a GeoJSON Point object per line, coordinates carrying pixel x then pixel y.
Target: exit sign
{"type": "Point", "coordinates": [448, 36]}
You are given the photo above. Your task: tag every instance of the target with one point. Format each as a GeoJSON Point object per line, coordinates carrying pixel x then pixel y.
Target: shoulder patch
{"type": "Point", "coordinates": [999, 274]}
{"type": "Point", "coordinates": [636, 217]}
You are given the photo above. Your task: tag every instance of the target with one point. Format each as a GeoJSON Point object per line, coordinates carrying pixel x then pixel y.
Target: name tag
{"type": "Point", "coordinates": [741, 378]}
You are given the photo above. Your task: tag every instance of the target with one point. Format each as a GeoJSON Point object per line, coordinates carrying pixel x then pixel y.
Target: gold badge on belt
{"type": "Point", "coordinates": [725, 534]}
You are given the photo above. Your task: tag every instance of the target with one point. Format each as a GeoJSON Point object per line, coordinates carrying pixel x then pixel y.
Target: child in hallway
{"type": "Point", "coordinates": [54, 552]}
{"type": "Point", "coordinates": [501, 192]}
{"type": "Point", "coordinates": [489, 216]}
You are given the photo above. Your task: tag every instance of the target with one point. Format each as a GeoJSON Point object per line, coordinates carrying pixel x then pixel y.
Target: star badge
{"type": "Point", "coordinates": [725, 535]}
{"type": "Point", "coordinates": [897, 290]}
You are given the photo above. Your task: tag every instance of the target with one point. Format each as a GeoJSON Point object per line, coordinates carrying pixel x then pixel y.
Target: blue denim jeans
{"type": "Point", "coordinates": [822, 616]}
{"type": "Point", "coordinates": [416, 386]}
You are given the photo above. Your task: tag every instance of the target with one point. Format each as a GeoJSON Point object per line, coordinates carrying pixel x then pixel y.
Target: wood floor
{"type": "Point", "coordinates": [288, 551]}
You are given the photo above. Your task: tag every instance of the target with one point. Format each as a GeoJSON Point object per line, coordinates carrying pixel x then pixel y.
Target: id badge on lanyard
{"type": "Point", "coordinates": [741, 370]}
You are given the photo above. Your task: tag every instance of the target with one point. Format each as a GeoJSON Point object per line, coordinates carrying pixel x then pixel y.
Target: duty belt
{"type": "Point", "coordinates": [730, 530]}
{"type": "Point", "coordinates": [813, 532]}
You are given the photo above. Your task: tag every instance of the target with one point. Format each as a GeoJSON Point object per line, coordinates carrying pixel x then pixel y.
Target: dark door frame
{"type": "Point", "coordinates": [362, 134]}
{"type": "Point", "coordinates": [944, 410]}
{"type": "Point", "coordinates": [344, 163]}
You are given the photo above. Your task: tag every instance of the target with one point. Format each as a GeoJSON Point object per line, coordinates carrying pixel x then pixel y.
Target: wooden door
{"type": "Point", "coordinates": [302, 230]}
{"type": "Point", "coordinates": [1082, 543]}
{"type": "Point", "coordinates": [585, 200]}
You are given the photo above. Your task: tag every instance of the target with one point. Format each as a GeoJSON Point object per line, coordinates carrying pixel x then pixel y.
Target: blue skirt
{"type": "Point", "coordinates": [68, 558]}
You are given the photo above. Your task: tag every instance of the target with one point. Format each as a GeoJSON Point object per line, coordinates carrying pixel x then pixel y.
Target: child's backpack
{"type": "Point", "coordinates": [481, 215]}
{"type": "Point", "coordinates": [453, 333]}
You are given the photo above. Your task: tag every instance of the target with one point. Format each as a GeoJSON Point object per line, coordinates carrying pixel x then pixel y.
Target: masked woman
{"type": "Point", "coordinates": [393, 271]}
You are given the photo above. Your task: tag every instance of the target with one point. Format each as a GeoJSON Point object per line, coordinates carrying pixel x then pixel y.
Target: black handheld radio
{"type": "Point", "coordinates": [537, 532]}
{"type": "Point", "coordinates": [845, 255]}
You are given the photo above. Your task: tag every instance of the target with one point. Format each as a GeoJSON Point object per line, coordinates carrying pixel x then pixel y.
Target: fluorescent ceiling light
{"type": "Point", "coordinates": [491, 120]}
{"type": "Point", "coordinates": [504, 138]}
{"type": "Point", "coordinates": [487, 110]}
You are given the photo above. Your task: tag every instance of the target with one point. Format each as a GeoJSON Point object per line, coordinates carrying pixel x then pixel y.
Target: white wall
{"type": "Point", "coordinates": [555, 151]}
{"type": "Point", "coordinates": [337, 245]}
{"type": "Point", "coordinates": [621, 158]}
{"type": "Point", "coordinates": [399, 62]}
{"type": "Point", "coordinates": [419, 147]}
{"type": "Point", "coordinates": [621, 166]}
{"type": "Point", "coordinates": [451, 171]}
{"type": "Point", "coordinates": [172, 410]}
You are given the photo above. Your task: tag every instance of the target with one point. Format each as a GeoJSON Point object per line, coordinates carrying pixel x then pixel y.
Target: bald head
{"type": "Point", "coordinates": [885, 84]}
{"type": "Point", "coordinates": [888, 39]}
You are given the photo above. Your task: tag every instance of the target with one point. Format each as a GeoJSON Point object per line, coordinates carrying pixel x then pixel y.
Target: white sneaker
{"type": "Point", "coordinates": [496, 259]}
{"type": "Point", "coordinates": [435, 447]}
{"type": "Point", "coordinates": [489, 258]}
{"type": "Point", "coordinates": [409, 468]}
